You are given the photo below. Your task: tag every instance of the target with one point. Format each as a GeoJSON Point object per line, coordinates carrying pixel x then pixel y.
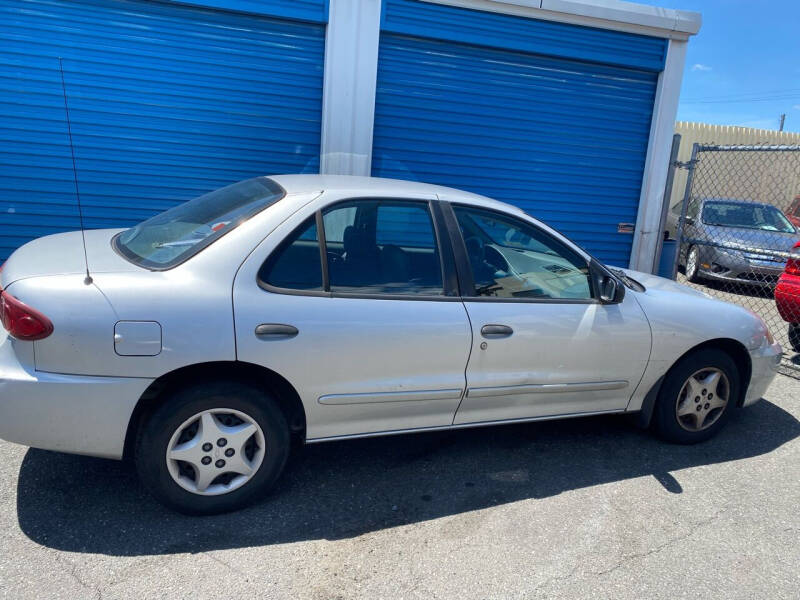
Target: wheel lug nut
{"type": "Point", "coordinates": [205, 460]}
{"type": "Point", "coordinates": [207, 447]}
{"type": "Point", "coordinates": [229, 452]}
{"type": "Point", "coordinates": [222, 442]}
{"type": "Point", "coordinates": [220, 463]}
{"type": "Point", "coordinates": [710, 396]}
{"type": "Point", "coordinates": [705, 391]}
{"type": "Point", "coordinates": [699, 407]}
{"type": "Point", "coordinates": [706, 406]}
{"type": "Point", "coordinates": [697, 398]}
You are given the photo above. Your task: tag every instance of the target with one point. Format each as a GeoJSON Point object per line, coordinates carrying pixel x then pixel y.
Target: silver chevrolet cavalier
{"type": "Point", "coordinates": [203, 340]}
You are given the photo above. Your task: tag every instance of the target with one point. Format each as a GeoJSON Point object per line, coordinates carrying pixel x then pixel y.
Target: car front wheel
{"type": "Point", "coordinates": [697, 397]}
{"type": "Point", "coordinates": [213, 447]}
{"type": "Point", "coordinates": [693, 264]}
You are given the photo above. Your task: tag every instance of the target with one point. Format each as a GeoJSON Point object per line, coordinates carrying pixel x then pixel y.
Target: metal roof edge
{"type": "Point", "coordinates": [605, 14]}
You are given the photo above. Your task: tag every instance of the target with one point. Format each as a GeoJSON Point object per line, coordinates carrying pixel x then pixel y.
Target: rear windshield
{"type": "Point", "coordinates": [171, 237]}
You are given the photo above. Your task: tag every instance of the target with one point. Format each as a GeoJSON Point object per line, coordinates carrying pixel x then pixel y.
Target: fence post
{"type": "Point", "coordinates": [673, 158]}
{"type": "Point", "coordinates": [686, 195]}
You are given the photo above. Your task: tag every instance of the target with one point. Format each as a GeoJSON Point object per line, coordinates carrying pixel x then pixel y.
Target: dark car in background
{"type": "Point", "coordinates": [734, 240]}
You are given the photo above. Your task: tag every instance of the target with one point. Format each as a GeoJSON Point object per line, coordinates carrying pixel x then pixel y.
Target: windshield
{"type": "Point", "coordinates": [746, 215]}
{"type": "Point", "coordinates": [175, 235]}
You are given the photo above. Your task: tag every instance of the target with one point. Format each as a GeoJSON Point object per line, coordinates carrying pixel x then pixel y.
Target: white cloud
{"type": "Point", "coordinates": [796, 107]}
{"type": "Point", "coordinates": [700, 67]}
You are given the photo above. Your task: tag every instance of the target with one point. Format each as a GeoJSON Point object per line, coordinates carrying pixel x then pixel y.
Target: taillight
{"type": "Point", "coordinates": [21, 321]}
{"type": "Point", "coordinates": [793, 264]}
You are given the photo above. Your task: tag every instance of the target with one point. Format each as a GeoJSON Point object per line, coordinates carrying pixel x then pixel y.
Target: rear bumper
{"type": "Point", "coordinates": [67, 413]}
{"type": "Point", "coordinates": [765, 362]}
{"type": "Point", "coordinates": [787, 298]}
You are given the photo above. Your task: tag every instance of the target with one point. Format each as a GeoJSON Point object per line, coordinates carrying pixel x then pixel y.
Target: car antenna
{"type": "Point", "coordinates": [88, 279]}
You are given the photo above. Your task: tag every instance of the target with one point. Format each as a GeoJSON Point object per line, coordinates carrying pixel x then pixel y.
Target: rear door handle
{"type": "Point", "coordinates": [275, 331]}
{"type": "Point", "coordinates": [496, 331]}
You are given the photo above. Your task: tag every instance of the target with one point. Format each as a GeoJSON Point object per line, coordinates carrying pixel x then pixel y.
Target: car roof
{"type": "Point", "coordinates": [379, 187]}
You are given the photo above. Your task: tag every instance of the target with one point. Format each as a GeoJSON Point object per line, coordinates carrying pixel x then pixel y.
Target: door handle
{"type": "Point", "coordinates": [275, 330]}
{"type": "Point", "coordinates": [496, 331]}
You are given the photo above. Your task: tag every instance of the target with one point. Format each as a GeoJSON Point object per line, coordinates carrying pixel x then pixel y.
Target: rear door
{"type": "Point", "coordinates": [354, 302]}
{"type": "Point", "coordinates": [543, 345]}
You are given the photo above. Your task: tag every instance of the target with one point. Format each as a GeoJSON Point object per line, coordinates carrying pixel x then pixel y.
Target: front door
{"type": "Point", "coordinates": [543, 345]}
{"type": "Point", "coordinates": [350, 304]}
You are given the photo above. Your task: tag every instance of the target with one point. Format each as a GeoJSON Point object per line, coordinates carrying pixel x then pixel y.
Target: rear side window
{"type": "Point", "coordinates": [386, 248]}
{"type": "Point", "coordinates": [371, 247]}
{"type": "Point", "coordinates": [169, 238]}
{"type": "Point", "coordinates": [296, 264]}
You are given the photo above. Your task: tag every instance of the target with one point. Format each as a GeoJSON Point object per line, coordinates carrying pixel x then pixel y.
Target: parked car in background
{"type": "Point", "coordinates": [793, 212]}
{"type": "Point", "coordinates": [787, 297]}
{"type": "Point", "coordinates": [326, 308]}
{"type": "Point", "coordinates": [735, 241]}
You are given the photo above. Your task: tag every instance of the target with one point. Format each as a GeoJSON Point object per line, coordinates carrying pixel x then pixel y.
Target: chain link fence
{"type": "Point", "coordinates": [736, 228]}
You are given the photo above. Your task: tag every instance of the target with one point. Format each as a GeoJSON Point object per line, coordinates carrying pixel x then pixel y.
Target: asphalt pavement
{"type": "Point", "coordinates": [586, 508]}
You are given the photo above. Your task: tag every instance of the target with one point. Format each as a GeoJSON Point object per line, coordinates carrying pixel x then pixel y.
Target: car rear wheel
{"type": "Point", "coordinates": [697, 397]}
{"type": "Point", "coordinates": [693, 264]}
{"type": "Point", "coordinates": [213, 448]}
{"type": "Point", "coordinates": [794, 336]}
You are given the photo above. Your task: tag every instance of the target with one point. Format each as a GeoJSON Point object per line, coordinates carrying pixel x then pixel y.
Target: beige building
{"type": "Point", "coordinates": [772, 177]}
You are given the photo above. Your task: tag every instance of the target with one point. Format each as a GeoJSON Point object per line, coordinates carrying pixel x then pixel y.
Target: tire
{"type": "Point", "coordinates": [224, 409]}
{"type": "Point", "coordinates": [692, 268]}
{"type": "Point", "coordinates": [794, 336]}
{"type": "Point", "coordinates": [676, 417]}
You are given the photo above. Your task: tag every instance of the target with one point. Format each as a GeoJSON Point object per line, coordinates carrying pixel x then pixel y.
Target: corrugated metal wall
{"type": "Point", "coordinates": [166, 102]}
{"type": "Point", "coordinates": [565, 140]}
{"type": "Point", "coordinates": [779, 172]}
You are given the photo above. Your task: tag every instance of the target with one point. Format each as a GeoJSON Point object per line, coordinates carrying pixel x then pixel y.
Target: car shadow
{"type": "Point", "coordinates": [344, 489]}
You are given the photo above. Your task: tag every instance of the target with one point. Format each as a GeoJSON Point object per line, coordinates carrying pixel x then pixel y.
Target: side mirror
{"type": "Point", "coordinates": [611, 291]}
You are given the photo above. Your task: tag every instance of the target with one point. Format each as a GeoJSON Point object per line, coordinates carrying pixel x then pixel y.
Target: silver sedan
{"type": "Point", "coordinates": [203, 340]}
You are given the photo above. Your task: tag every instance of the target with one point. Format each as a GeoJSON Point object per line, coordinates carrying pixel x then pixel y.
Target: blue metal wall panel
{"type": "Point", "coordinates": [565, 140]}
{"type": "Point", "coordinates": [166, 102]}
{"type": "Point", "coordinates": [306, 10]}
{"type": "Point", "coordinates": [423, 19]}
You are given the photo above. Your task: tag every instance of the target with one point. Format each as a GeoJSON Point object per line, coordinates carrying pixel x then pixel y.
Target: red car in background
{"type": "Point", "coordinates": [793, 212]}
{"type": "Point", "coordinates": [787, 296]}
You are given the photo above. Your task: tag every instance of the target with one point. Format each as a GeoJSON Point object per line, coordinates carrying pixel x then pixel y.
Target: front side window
{"type": "Point", "coordinates": [513, 259]}
{"type": "Point", "coordinates": [171, 237]}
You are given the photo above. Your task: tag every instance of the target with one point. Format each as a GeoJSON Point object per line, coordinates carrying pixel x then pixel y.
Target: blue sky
{"type": "Point", "coordinates": [743, 68]}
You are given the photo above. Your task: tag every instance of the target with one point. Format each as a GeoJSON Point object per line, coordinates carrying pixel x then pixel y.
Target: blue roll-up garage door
{"type": "Point", "coordinates": [167, 101]}
{"type": "Point", "coordinates": [550, 117]}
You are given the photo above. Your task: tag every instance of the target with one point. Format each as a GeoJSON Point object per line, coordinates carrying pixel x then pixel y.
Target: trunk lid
{"type": "Point", "coordinates": [62, 254]}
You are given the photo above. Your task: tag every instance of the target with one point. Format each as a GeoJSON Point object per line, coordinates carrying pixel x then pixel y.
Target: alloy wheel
{"type": "Point", "coordinates": [691, 263]}
{"type": "Point", "coordinates": [702, 399]}
{"type": "Point", "coordinates": [215, 451]}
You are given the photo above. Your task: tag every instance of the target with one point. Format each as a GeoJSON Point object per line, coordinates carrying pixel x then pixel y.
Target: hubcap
{"type": "Point", "coordinates": [702, 399]}
{"type": "Point", "coordinates": [215, 451]}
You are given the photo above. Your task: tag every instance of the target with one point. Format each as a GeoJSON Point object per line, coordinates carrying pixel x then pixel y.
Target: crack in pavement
{"type": "Point", "coordinates": [659, 548]}
{"type": "Point", "coordinates": [635, 556]}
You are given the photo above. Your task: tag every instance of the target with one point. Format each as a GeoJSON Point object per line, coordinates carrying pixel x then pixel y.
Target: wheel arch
{"type": "Point", "coordinates": [267, 379]}
{"type": "Point", "coordinates": [735, 349]}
